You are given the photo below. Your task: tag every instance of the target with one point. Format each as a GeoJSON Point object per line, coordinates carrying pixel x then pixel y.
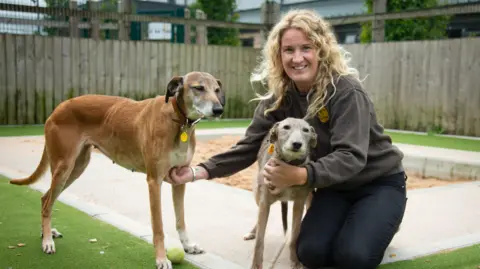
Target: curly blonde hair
{"type": "Point", "coordinates": [333, 60]}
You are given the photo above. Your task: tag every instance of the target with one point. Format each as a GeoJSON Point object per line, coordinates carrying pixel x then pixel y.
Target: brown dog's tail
{"type": "Point", "coordinates": [41, 168]}
{"type": "Point", "coordinates": [284, 216]}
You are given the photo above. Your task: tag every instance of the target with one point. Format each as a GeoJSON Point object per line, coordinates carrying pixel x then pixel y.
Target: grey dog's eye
{"type": "Point", "coordinates": [286, 127]}
{"type": "Point", "coordinates": [198, 88]}
{"type": "Point", "coordinates": [305, 130]}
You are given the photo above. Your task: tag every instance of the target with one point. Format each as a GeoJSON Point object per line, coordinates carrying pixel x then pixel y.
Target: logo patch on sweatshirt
{"type": "Point", "coordinates": [323, 115]}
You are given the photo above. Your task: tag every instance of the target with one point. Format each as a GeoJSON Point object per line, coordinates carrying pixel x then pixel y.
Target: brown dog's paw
{"type": "Point", "coordinates": [48, 246]}
{"type": "Point", "coordinates": [164, 264]}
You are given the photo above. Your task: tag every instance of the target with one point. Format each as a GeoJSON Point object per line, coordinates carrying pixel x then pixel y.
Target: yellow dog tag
{"type": "Point", "coordinates": [184, 137]}
{"type": "Point", "coordinates": [323, 115]}
{"type": "Point", "coordinates": [270, 149]}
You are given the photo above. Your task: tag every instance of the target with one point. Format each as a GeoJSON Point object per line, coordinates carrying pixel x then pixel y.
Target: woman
{"type": "Point", "coordinates": [360, 194]}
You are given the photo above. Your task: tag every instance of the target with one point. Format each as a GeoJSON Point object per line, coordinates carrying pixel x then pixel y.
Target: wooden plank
{"type": "Point", "coordinates": [49, 78]}
{"type": "Point", "coordinates": [11, 79]}
{"type": "Point", "coordinates": [66, 69]}
{"type": "Point", "coordinates": [75, 66]}
{"type": "Point", "coordinates": [101, 73]}
{"type": "Point", "coordinates": [124, 67]}
{"type": "Point", "coordinates": [169, 61]}
{"type": "Point", "coordinates": [132, 84]}
{"type": "Point", "coordinates": [21, 73]}
{"type": "Point", "coordinates": [57, 71]}
{"type": "Point", "coordinates": [84, 66]}
{"type": "Point", "coordinates": [92, 66]}
{"type": "Point", "coordinates": [153, 84]}
{"type": "Point", "coordinates": [108, 65]}
{"type": "Point", "coordinates": [30, 79]}
{"type": "Point", "coordinates": [161, 68]}
{"type": "Point", "coordinates": [116, 73]}
{"type": "Point", "coordinates": [39, 66]}
{"type": "Point", "coordinates": [146, 77]}
{"type": "Point", "coordinates": [469, 80]}
{"type": "Point", "coordinates": [139, 70]}
{"type": "Point", "coordinates": [3, 82]}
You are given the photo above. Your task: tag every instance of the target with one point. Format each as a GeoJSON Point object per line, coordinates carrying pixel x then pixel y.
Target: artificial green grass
{"type": "Point", "coordinates": [404, 138]}
{"type": "Point", "coordinates": [464, 258]}
{"type": "Point", "coordinates": [20, 222]}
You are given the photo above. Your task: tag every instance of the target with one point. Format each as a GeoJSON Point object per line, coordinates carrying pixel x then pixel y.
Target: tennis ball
{"type": "Point", "coordinates": [175, 255]}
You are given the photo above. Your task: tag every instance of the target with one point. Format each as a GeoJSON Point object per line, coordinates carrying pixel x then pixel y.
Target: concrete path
{"type": "Point", "coordinates": [217, 215]}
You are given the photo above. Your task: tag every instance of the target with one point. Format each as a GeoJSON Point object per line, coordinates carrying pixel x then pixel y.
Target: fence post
{"type": "Point", "coordinates": [201, 31]}
{"type": "Point", "coordinates": [270, 13]}
{"type": "Point", "coordinates": [124, 7]}
{"type": "Point", "coordinates": [73, 20]}
{"type": "Point", "coordinates": [94, 22]}
{"type": "Point", "coordinates": [378, 26]}
{"type": "Point", "coordinates": [187, 27]}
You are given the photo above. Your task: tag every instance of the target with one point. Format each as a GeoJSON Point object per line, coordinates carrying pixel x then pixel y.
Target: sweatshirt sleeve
{"type": "Point", "coordinates": [350, 135]}
{"type": "Point", "coordinates": [244, 152]}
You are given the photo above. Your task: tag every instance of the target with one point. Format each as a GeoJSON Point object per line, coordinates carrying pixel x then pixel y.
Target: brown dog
{"type": "Point", "coordinates": [149, 136]}
{"type": "Point", "coordinates": [291, 141]}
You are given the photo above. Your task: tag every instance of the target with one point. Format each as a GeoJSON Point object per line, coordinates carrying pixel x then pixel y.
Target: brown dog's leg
{"type": "Point", "coordinates": [61, 172]}
{"type": "Point", "coordinates": [179, 206]}
{"type": "Point", "coordinates": [154, 189]}
{"type": "Point", "coordinates": [298, 206]}
{"type": "Point", "coordinates": [262, 218]}
{"type": "Point", "coordinates": [81, 163]}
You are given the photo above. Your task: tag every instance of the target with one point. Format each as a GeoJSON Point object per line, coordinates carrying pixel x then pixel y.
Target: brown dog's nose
{"type": "Point", "coordinates": [217, 110]}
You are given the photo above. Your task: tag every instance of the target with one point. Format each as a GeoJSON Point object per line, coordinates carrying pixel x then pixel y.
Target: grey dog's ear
{"type": "Point", "coordinates": [313, 137]}
{"type": "Point", "coordinates": [172, 87]}
{"type": "Point", "coordinates": [273, 136]}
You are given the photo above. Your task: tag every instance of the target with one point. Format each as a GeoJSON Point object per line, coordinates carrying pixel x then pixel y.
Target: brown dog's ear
{"type": "Point", "coordinates": [173, 86]}
{"type": "Point", "coordinates": [273, 135]}
{"type": "Point", "coordinates": [313, 137]}
{"type": "Point", "coordinates": [219, 83]}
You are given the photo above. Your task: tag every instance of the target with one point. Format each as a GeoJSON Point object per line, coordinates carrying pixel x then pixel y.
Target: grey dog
{"type": "Point", "coordinates": [291, 141]}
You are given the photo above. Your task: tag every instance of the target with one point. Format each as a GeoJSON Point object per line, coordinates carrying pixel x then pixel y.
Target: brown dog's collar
{"type": "Point", "coordinates": [184, 120]}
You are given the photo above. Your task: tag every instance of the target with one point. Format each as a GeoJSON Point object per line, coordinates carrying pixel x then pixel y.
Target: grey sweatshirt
{"type": "Point", "coordinates": [352, 148]}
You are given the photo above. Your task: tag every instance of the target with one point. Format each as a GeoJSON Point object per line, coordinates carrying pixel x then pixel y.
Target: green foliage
{"type": "Point", "coordinates": [220, 10]}
{"type": "Point", "coordinates": [427, 28]}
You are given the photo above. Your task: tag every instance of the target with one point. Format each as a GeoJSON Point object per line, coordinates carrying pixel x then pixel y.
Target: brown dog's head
{"type": "Point", "coordinates": [293, 139]}
{"type": "Point", "coordinates": [200, 92]}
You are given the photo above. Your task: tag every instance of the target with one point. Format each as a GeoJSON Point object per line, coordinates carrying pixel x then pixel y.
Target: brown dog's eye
{"type": "Point", "coordinates": [286, 127]}
{"type": "Point", "coordinates": [217, 90]}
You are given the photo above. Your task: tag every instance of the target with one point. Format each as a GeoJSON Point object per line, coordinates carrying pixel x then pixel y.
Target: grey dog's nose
{"type": "Point", "coordinates": [296, 145]}
{"type": "Point", "coordinates": [217, 110]}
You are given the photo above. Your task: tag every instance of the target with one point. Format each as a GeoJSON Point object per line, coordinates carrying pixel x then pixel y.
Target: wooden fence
{"type": "Point", "coordinates": [417, 85]}
{"type": "Point", "coordinates": [37, 73]}
{"type": "Point", "coordinates": [424, 85]}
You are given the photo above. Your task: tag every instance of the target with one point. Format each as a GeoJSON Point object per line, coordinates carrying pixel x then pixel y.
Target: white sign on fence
{"type": "Point", "coordinates": [159, 31]}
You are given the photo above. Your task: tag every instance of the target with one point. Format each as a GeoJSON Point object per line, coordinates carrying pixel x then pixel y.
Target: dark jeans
{"type": "Point", "coordinates": [352, 229]}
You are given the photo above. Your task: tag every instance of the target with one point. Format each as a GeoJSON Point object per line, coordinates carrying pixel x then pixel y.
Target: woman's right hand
{"type": "Point", "coordinates": [184, 174]}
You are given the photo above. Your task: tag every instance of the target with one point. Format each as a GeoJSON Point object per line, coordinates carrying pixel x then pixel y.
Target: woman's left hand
{"type": "Point", "coordinates": [283, 175]}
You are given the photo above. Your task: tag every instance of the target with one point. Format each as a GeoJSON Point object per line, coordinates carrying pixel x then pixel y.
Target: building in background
{"type": "Point", "coordinates": [250, 12]}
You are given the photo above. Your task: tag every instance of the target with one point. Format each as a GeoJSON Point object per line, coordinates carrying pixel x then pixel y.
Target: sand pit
{"type": "Point", "coordinates": [243, 179]}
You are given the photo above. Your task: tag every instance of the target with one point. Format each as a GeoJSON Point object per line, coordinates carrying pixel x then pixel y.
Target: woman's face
{"type": "Point", "coordinates": [299, 58]}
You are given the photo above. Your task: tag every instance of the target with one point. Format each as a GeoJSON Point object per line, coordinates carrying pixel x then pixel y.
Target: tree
{"type": "Point", "coordinates": [220, 10]}
{"type": "Point", "coordinates": [408, 29]}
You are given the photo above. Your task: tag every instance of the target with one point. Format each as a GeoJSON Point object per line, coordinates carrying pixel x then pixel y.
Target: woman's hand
{"type": "Point", "coordinates": [184, 174]}
{"type": "Point", "coordinates": [283, 175]}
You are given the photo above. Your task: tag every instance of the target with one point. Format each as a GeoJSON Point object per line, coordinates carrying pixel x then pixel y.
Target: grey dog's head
{"type": "Point", "coordinates": [293, 139]}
